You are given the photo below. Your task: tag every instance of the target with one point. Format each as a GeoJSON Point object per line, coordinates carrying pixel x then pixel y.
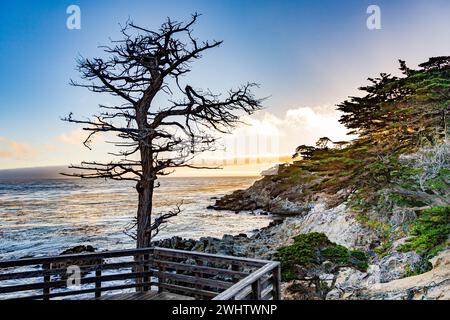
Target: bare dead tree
{"type": "Point", "coordinates": [155, 138]}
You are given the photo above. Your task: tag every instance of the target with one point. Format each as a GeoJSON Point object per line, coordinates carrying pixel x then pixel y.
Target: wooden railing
{"type": "Point", "coordinates": [192, 274]}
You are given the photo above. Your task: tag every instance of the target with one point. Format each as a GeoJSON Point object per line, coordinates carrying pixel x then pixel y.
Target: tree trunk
{"type": "Point", "coordinates": [144, 213]}
{"type": "Point", "coordinates": [145, 190]}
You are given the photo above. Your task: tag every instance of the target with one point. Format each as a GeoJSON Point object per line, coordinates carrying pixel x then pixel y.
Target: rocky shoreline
{"type": "Point", "coordinates": [386, 277]}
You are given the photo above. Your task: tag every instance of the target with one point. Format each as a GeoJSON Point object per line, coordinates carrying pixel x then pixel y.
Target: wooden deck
{"type": "Point", "coordinates": [149, 295]}
{"type": "Point", "coordinates": [154, 274]}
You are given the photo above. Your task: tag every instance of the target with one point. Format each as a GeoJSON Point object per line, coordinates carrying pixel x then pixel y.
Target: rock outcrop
{"type": "Point", "coordinates": [431, 285]}
{"type": "Point", "coordinates": [268, 194]}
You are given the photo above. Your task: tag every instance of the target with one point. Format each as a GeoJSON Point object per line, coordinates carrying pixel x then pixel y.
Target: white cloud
{"type": "Point", "coordinates": [77, 137]}
{"type": "Point", "coordinates": [309, 124]}
{"type": "Point", "coordinates": [270, 137]}
{"type": "Point", "coordinates": [16, 150]}
{"type": "Point", "coordinates": [73, 137]}
{"type": "Point", "coordinates": [304, 125]}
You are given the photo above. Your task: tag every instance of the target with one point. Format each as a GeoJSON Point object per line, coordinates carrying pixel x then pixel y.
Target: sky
{"type": "Point", "coordinates": [307, 56]}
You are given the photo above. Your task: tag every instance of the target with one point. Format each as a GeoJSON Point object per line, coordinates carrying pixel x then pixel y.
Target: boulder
{"type": "Point", "coordinates": [79, 249]}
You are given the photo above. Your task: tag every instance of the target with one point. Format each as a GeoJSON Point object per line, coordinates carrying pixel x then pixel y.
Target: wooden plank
{"type": "Point", "coordinates": [188, 291]}
{"type": "Point", "coordinates": [211, 260]}
{"type": "Point", "coordinates": [235, 268]}
{"type": "Point", "coordinates": [198, 281]}
{"type": "Point", "coordinates": [245, 294]}
{"type": "Point", "coordinates": [203, 269]}
{"type": "Point", "coordinates": [130, 296]}
{"type": "Point", "coordinates": [266, 281]}
{"type": "Point", "coordinates": [210, 257]}
{"type": "Point", "coordinates": [84, 291]}
{"type": "Point", "coordinates": [149, 295]}
{"type": "Point", "coordinates": [170, 296]}
{"type": "Point", "coordinates": [267, 291]}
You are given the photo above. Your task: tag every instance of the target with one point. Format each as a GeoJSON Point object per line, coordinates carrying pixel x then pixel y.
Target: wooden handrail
{"type": "Point", "coordinates": [250, 280]}
{"type": "Point", "coordinates": [75, 256]}
{"type": "Point", "coordinates": [59, 271]}
{"type": "Point", "coordinates": [46, 285]}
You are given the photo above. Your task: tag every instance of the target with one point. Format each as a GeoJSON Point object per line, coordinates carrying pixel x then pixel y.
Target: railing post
{"type": "Point", "coordinates": [98, 283]}
{"type": "Point", "coordinates": [198, 262]}
{"type": "Point", "coordinates": [235, 267]}
{"type": "Point", "coordinates": [145, 279]}
{"type": "Point", "coordinates": [256, 290]}
{"type": "Point", "coordinates": [161, 270]}
{"type": "Point", "coordinates": [46, 290]}
{"type": "Point", "coordinates": [276, 282]}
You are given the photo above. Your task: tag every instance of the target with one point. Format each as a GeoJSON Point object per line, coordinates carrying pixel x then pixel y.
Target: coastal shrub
{"type": "Point", "coordinates": [311, 250]}
{"type": "Point", "coordinates": [430, 230]}
{"type": "Point", "coordinates": [384, 248]}
{"type": "Point", "coordinates": [384, 229]}
{"type": "Point", "coordinates": [413, 270]}
{"type": "Point", "coordinates": [358, 259]}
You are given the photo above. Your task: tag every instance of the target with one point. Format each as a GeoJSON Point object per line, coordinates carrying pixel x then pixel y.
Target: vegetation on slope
{"type": "Point", "coordinates": [395, 175]}
{"type": "Point", "coordinates": [430, 231]}
{"type": "Point", "coordinates": [312, 250]}
{"type": "Point", "coordinates": [396, 116]}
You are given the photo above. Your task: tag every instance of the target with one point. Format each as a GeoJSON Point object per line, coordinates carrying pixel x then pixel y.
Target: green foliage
{"type": "Point", "coordinates": [414, 270]}
{"type": "Point", "coordinates": [431, 231]}
{"type": "Point", "coordinates": [397, 115]}
{"type": "Point", "coordinates": [383, 249]}
{"type": "Point", "coordinates": [384, 229]}
{"type": "Point", "coordinates": [358, 259]}
{"type": "Point", "coordinates": [304, 250]}
{"type": "Point", "coordinates": [439, 182]}
{"type": "Point", "coordinates": [312, 249]}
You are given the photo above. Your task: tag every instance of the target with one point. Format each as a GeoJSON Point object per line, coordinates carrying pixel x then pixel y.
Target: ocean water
{"type": "Point", "coordinates": [45, 217]}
